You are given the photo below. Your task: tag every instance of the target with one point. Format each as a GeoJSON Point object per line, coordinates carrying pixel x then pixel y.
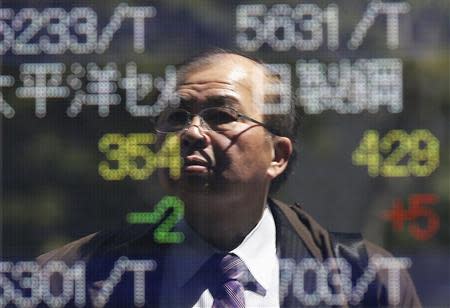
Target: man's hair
{"type": "Point", "coordinates": [285, 125]}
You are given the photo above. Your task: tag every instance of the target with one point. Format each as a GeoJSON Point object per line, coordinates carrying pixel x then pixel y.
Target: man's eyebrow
{"type": "Point", "coordinates": [212, 101]}
{"type": "Point", "coordinates": [222, 101]}
{"type": "Point", "coordinates": [185, 104]}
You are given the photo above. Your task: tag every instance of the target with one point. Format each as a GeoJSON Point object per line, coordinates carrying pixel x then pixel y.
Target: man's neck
{"type": "Point", "coordinates": [224, 222]}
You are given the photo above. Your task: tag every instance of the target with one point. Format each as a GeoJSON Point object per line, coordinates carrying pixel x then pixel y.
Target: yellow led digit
{"type": "Point", "coordinates": [169, 156]}
{"type": "Point", "coordinates": [395, 143]}
{"type": "Point", "coordinates": [424, 153]}
{"type": "Point", "coordinates": [137, 147]}
{"type": "Point", "coordinates": [114, 147]}
{"type": "Point", "coordinates": [367, 153]}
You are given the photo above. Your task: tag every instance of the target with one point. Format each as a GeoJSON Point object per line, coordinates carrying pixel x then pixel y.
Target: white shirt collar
{"type": "Point", "coordinates": [257, 250]}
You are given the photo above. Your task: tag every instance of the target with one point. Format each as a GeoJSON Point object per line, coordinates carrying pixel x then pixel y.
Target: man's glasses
{"type": "Point", "coordinates": [219, 119]}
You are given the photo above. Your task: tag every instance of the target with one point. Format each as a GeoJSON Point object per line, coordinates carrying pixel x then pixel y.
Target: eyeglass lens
{"type": "Point", "coordinates": [218, 119]}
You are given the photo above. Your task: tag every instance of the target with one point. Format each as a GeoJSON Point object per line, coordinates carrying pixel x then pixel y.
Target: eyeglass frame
{"type": "Point", "coordinates": [192, 115]}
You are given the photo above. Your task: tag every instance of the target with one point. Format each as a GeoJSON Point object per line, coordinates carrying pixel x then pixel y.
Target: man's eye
{"type": "Point", "coordinates": [177, 117]}
{"type": "Point", "coordinates": [218, 117]}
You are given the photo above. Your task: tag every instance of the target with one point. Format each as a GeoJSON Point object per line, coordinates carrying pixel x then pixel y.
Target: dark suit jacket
{"type": "Point", "coordinates": [298, 236]}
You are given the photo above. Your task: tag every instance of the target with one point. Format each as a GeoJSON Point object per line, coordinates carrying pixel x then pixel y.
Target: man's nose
{"type": "Point", "coordinates": [194, 135]}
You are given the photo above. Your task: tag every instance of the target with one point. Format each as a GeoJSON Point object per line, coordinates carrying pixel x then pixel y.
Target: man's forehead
{"type": "Point", "coordinates": [231, 67]}
{"type": "Point", "coordinates": [229, 76]}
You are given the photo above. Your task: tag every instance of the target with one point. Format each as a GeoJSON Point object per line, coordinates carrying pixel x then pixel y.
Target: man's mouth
{"type": "Point", "coordinates": [196, 165]}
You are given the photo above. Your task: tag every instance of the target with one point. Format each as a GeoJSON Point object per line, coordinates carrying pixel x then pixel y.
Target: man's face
{"type": "Point", "coordinates": [229, 161]}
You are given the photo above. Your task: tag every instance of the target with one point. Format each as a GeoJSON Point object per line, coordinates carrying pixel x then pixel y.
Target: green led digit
{"type": "Point", "coordinates": [162, 233]}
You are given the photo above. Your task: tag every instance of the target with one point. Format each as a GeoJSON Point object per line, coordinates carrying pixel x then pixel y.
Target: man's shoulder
{"type": "Point", "coordinates": [407, 297]}
{"type": "Point", "coordinates": [324, 242]}
{"type": "Point", "coordinates": [315, 237]}
{"type": "Point", "coordinates": [351, 247]}
{"type": "Point", "coordinates": [69, 253]}
{"type": "Point", "coordinates": [122, 240]}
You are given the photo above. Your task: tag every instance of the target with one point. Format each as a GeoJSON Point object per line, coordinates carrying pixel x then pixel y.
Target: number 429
{"type": "Point", "coordinates": [398, 153]}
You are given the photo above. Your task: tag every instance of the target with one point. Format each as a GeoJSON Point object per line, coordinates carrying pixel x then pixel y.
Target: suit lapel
{"type": "Point", "coordinates": [291, 249]}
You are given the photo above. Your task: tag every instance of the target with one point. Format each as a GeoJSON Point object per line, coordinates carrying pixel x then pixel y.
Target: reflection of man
{"type": "Point", "coordinates": [236, 238]}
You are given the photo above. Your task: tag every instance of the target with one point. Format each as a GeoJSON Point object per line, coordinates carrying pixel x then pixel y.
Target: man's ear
{"type": "Point", "coordinates": [282, 147]}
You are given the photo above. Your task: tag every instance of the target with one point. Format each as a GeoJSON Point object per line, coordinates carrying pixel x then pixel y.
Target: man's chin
{"type": "Point", "coordinates": [187, 183]}
{"type": "Point", "coordinates": [194, 182]}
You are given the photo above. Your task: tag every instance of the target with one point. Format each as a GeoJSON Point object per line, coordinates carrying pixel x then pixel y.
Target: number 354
{"type": "Point", "coordinates": [130, 156]}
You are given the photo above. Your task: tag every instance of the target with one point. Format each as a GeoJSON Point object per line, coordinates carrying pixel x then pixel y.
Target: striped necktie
{"type": "Point", "coordinates": [232, 274]}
